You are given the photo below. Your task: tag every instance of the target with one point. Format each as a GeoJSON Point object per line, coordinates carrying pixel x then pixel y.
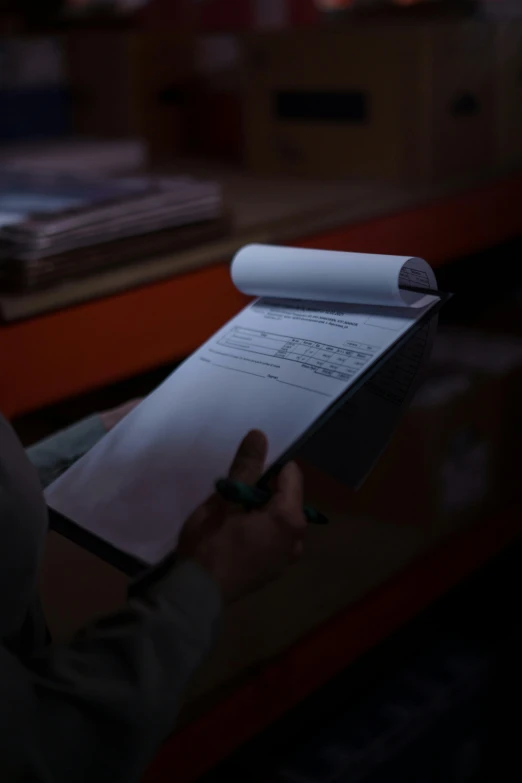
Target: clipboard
{"type": "Point", "coordinates": [133, 566]}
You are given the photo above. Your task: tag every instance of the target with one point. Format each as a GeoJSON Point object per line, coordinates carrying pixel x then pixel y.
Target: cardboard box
{"type": "Point", "coordinates": [438, 467]}
{"type": "Point", "coordinates": [508, 74]}
{"type": "Point", "coordinates": [217, 122]}
{"type": "Point", "coordinates": [495, 363]}
{"type": "Point", "coordinates": [456, 453]}
{"type": "Point", "coordinates": [397, 101]}
{"type": "Point", "coordinates": [217, 106]}
{"type": "Point", "coordinates": [457, 449]}
{"type": "Point", "coordinates": [130, 84]}
{"type": "Point", "coordinates": [167, 71]}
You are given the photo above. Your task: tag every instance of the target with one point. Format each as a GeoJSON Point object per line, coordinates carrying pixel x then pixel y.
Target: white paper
{"type": "Point", "coordinates": [348, 445]}
{"type": "Point", "coordinates": [277, 366]}
{"type": "Point", "coordinates": [329, 275]}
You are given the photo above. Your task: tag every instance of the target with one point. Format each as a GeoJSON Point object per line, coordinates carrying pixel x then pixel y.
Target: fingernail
{"type": "Point", "coordinates": [293, 466]}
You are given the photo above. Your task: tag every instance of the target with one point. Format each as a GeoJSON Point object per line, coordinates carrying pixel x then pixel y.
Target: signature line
{"type": "Point", "coordinates": [224, 366]}
{"type": "Point", "coordinates": [306, 388]}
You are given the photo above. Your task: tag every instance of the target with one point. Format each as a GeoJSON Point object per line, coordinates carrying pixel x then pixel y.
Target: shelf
{"type": "Point", "coordinates": [58, 355]}
{"type": "Point", "coordinates": [321, 655]}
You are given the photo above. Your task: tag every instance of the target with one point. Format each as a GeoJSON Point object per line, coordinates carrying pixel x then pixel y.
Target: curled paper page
{"type": "Point", "coordinates": [331, 276]}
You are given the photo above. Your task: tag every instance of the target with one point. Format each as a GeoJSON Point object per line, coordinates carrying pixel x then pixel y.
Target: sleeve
{"type": "Point", "coordinates": [53, 455]}
{"type": "Point", "coordinates": [99, 708]}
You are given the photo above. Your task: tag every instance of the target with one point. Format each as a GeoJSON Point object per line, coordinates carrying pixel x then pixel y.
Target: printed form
{"type": "Point", "coordinates": [277, 366]}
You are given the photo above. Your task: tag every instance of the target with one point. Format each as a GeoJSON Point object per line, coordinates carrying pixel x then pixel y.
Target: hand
{"type": "Point", "coordinates": [244, 550]}
{"type": "Point", "coordinates": [113, 416]}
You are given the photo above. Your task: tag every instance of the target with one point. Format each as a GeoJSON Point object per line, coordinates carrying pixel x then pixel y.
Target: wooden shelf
{"type": "Point", "coordinates": [58, 355]}
{"type": "Point", "coordinates": [308, 665]}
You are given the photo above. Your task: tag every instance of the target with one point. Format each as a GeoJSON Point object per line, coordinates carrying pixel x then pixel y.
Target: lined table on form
{"type": "Point", "coordinates": [340, 363]}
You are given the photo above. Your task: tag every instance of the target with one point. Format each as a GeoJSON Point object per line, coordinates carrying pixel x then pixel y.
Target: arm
{"type": "Point", "coordinates": [99, 708]}
{"type": "Point", "coordinates": [53, 455]}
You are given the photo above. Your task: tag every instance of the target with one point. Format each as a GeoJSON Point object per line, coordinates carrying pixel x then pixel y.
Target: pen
{"type": "Point", "coordinates": [253, 497]}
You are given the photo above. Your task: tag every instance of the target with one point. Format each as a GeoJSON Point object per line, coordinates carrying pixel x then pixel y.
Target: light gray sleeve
{"type": "Point", "coordinates": [100, 708]}
{"type": "Point", "coordinates": [53, 455]}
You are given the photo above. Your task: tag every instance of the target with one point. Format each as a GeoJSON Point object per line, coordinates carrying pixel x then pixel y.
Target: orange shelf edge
{"type": "Point", "coordinates": [440, 230]}
{"type": "Point", "coordinates": [321, 655]}
{"type": "Point", "coordinates": [59, 355]}
{"type": "Point", "coordinates": [69, 352]}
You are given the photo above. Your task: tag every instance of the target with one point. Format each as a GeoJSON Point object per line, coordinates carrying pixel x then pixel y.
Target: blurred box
{"type": "Point", "coordinates": [217, 105]}
{"type": "Point", "coordinates": [495, 362]}
{"type": "Point", "coordinates": [398, 101]}
{"type": "Point", "coordinates": [31, 62]}
{"type": "Point", "coordinates": [130, 84]}
{"type": "Point", "coordinates": [508, 70]}
{"type": "Point", "coordinates": [33, 95]}
{"type": "Point", "coordinates": [102, 77]}
{"type": "Point", "coordinates": [173, 15]}
{"type": "Point", "coordinates": [456, 453]}
{"type": "Point", "coordinates": [167, 76]}
{"type": "Point", "coordinates": [439, 464]}
{"type": "Point", "coordinates": [217, 121]}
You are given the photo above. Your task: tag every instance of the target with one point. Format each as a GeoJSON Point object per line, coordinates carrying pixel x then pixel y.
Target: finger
{"type": "Point", "coordinates": [288, 498]}
{"type": "Point", "coordinates": [249, 461]}
{"type": "Point", "coordinates": [113, 416]}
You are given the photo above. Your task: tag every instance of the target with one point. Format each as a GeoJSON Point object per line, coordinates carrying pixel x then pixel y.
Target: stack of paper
{"type": "Point", "coordinates": [48, 222]}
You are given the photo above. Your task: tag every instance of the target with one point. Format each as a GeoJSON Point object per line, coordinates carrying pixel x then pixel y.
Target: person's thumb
{"type": "Point", "coordinates": [249, 462]}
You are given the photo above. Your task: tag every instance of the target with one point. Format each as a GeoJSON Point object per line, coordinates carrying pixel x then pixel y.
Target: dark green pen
{"type": "Point", "coordinates": [253, 497]}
